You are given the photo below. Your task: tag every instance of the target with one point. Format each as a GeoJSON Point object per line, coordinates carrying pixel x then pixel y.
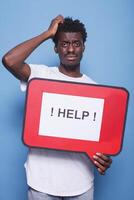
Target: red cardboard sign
{"type": "Point", "coordinates": [75, 116]}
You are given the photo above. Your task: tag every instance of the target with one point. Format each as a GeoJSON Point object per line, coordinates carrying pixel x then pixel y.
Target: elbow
{"type": "Point", "coordinates": [7, 62]}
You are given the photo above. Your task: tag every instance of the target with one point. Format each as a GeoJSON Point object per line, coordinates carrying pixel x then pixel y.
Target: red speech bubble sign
{"type": "Point", "coordinates": [75, 116]}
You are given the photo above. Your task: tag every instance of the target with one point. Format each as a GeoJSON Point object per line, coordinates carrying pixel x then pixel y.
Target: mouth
{"type": "Point", "coordinates": [71, 57]}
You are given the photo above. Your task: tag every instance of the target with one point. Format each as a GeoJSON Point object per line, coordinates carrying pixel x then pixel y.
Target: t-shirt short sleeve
{"type": "Point", "coordinates": [36, 71]}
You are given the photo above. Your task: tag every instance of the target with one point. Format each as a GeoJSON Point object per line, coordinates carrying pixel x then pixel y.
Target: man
{"type": "Point", "coordinates": [57, 174]}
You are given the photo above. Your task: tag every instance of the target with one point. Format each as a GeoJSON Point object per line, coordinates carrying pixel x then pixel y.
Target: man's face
{"type": "Point", "coordinates": [70, 48]}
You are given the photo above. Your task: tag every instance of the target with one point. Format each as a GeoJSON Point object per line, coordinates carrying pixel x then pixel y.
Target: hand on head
{"type": "Point", "coordinates": [54, 25]}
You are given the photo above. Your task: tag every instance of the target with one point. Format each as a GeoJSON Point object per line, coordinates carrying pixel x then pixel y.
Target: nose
{"type": "Point", "coordinates": [70, 48]}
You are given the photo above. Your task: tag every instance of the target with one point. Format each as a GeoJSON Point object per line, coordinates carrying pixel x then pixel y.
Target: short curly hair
{"type": "Point", "coordinates": [70, 25]}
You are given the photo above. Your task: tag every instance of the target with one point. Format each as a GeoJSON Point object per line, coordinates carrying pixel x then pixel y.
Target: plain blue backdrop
{"type": "Point", "coordinates": [108, 60]}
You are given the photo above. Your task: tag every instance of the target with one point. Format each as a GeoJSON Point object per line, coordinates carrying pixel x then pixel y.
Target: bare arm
{"type": "Point", "coordinates": [14, 60]}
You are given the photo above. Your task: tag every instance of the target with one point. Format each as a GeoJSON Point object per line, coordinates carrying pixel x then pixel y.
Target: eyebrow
{"type": "Point", "coordinates": [69, 41]}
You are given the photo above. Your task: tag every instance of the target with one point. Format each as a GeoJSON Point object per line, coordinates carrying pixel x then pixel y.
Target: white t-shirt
{"type": "Point", "coordinates": [58, 173]}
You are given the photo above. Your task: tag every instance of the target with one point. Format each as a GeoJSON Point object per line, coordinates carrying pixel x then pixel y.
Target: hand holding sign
{"type": "Point", "coordinates": [75, 116]}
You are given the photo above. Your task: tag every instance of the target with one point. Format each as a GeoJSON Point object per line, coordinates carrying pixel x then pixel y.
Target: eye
{"type": "Point", "coordinates": [64, 44]}
{"type": "Point", "coordinates": [77, 44]}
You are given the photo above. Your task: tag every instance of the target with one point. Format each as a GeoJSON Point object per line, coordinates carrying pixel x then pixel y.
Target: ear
{"type": "Point", "coordinates": [83, 47]}
{"type": "Point", "coordinates": [55, 49]}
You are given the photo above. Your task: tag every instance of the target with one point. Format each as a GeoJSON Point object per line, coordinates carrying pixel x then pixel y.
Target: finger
{"type": "Point", "coordinates": [102, 156]}
{"type": "Point", "coordinates": [103, 159]}
{"type": "Point", "coordinates": [100, 167]}
{"type": "Point", "coordinates": [101, 172]}
{"type": "Point", "coordinates": [100, 161]}
{"type": "Point", "coordinates": [59, 19]}
{"type": "Point", "coordinates": [59, 16]}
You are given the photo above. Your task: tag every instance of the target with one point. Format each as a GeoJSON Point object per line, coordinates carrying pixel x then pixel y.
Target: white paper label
{"type": "Point", "coordinates": [68, 116]}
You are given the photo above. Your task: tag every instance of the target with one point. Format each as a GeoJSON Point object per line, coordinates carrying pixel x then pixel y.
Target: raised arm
{"type": "Point", "coordinates": [14, 60]}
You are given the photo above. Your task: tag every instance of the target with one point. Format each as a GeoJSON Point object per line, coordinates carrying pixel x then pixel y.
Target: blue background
{"type": "Point", "coordinates": [108, 59]}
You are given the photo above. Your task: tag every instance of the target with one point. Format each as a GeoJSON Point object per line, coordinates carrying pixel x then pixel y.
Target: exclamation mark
{"type": "Point", "coordinates": [94, 116]}
{"type": "Point", "coordinates": [52, 110]}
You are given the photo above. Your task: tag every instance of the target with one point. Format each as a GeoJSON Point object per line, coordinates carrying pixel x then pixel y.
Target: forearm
{"type": "Point", "coordinates": [14, 60]}
{"type": "Point", "coordinates": [16, 56]}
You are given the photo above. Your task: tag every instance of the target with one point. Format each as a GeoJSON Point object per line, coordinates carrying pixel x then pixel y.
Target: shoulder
{"type": "Point", "coordinates": [40, 71]}
{"type": "Point", "coordinates": [88, 79]}
{"type": "Point", "coordinates": [37, 71]}
{"type": "Point", "coordinates": [38, 68]}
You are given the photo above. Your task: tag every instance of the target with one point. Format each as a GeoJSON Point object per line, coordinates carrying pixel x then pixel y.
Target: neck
{"type": "Point", "coordinates": [69, 72]}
